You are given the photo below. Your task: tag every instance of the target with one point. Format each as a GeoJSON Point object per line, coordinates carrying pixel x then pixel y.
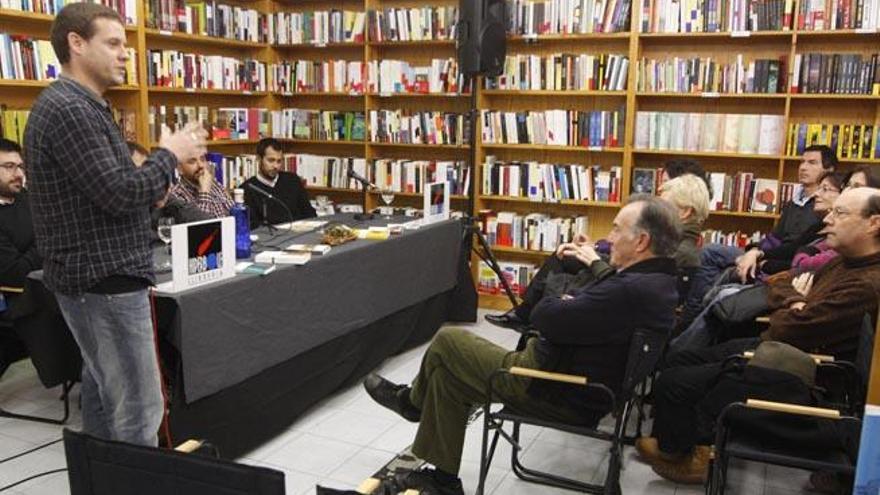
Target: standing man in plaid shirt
{"type": "Point", "coordinates": [91, 220]}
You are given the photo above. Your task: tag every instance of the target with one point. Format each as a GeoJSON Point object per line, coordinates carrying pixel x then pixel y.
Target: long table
{"type": "Point", "coordinates": [248, 355]}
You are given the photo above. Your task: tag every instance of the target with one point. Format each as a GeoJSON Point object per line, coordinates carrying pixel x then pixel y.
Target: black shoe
{"type": "Point", "coordinates": [427, 482]}
{"type": "Point", "coordinates": [508, 320]}
{"type": "Point", "coordinates": [394, 397]}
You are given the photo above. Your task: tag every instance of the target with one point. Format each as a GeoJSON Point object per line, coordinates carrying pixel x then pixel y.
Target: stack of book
{"type": "Point", "coordinates": [743, 192]}
{"type": "Point", "coordinates": [325, 171]}
{"type": "Point", "coordinates": [233, 170]}
{"type": "Point", "coordinates": [738, 239]}
{"type": "Point", "coordinates": [838, 14]}
{"type": "Point", "coordinates": [128, 9]}
{"type": "Point", "coordinates": [410, 176]}
{"type": "Point", "coordinates": [562, 71]}
{"type": "Point", "coordinates": [413, 24]}
{"type": "Point", "coordinates": [315, 76]}
{"type": "Point", "coordinates": [399, 76]}
{"type": "Point", "coordinates": [175, 69]}
{"type": "Point", "coordinates": [836, 73]}
{"type": "Point", "coordinates": [412, 127]}
{"type": "Point", "coordinates": [853, 141]}
{"type": "Point", "coordinates": [316, 28]}
{"type": "Point", "coordinates": [12, 123]}
{"type": "Point", "coordinates": [705, 75]}
{"type": "Point", "coordinates": [208, 18]}
{"type": "Point", "coordinates": [712, 16]}
{"type": "Point", "coordinates": [551, 182]}
{"type": "Point", "coordinates": [126, 119]}
{"type": "Point", "coordinates": [533, 232]}
{"type": "Point", "coordinates": [518, 276]}
{"type": "Point", "coordinates": [599, 128]}
{"type": "Point", "coordinates": [710, 132]}
{"type": "Point", "coordinates": [26, 58]}
{"type": "Point", "coordinates": [537, 17]}
{"type": "Point", "coordinates": [222, 123]}
{"type": "Point", "coordinates": [295, 123]}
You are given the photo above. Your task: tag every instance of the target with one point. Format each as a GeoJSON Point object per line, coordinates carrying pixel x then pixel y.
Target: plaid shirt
{"type": "Point", "coordinates": [215, 202]}
{"type": "Point", "coordinates": [91, 205]}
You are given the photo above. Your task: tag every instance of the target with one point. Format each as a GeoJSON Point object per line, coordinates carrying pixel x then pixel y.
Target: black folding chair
{"type": "Point", "coordinates": [644, 352]}
{"type": "Point", "coordinates": [50, 345]}
{"type": "Point", "coordinates": [102, 467]}
{"type": "Point", "coordinates": [733, 438]}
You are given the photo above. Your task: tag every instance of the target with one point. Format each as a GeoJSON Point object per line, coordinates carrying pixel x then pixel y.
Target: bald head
{"type": "Point", "coordinates": [854, 223]}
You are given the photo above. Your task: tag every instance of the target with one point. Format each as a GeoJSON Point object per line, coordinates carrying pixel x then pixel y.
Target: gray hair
{"type": "Point", "coordinates": [660, 221]}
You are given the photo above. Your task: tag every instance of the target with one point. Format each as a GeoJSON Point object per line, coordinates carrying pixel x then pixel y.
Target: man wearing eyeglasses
{"type": "Point", "coordinates": [18, 251]}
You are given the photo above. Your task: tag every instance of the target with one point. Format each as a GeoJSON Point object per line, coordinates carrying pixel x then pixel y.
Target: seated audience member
{"type": "Point", "coordinates": [198, 187]}
{"type": "Point", "coordinates": [863, 176]}
{"type": "Point", "coordinates": [817, 314]}
{"type": "Point", "coordinates": [682, 166]}
{"type": "Point", "coordinates": [169, 206]}
{"type": "Point", "coordinates": [285, 186]}
{"type": "Point", "coordinates": [687, 192]}
{"type": "Point", "coordinates": [586, 332]}
{"type": "Point", "coordinates": [796, 218]}
{"type": "Point", "coordinates": [18, 251]}
{"type": "Point", "coordinates": [807, 254]}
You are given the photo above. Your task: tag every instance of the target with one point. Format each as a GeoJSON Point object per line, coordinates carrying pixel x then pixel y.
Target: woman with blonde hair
{"type": "Point", "coordinates": [691, 196]}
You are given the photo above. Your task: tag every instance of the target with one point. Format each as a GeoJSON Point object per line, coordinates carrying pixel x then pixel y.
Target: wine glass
{"type": "Point", "coordinates": [387, 196]}
{"type": "Point", "coordinates": [163, 228]}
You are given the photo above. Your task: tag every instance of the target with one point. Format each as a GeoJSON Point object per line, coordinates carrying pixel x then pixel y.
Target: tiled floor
{"type": "Point", "coordinates": [347, 437]}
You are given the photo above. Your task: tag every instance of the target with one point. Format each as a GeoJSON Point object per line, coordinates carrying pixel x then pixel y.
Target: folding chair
{"type": "Point", "coordinates": [735, 441]}
{"type": "Point", "coordinates": [644, 353]}
{"type": "Point", "coordinates": [102, 467]}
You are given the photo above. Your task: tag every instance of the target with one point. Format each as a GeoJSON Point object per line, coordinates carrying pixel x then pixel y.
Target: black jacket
{"type": "Point", "coordinates": [18, 250]}
{"type": "Point", "coordinates": [590, 333]}
{"type": "Point", "coordinates": [289, 189]}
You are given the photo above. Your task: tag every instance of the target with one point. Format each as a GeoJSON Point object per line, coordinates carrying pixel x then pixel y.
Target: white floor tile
{"type": "Point", "coordinates": [397, 438]}
{"type": "Point", "coordinates": [361, 466]}
{"type": "Point", "coordinates": [312, 454]}
{"type": "Point", "coordinates": [353, 427]}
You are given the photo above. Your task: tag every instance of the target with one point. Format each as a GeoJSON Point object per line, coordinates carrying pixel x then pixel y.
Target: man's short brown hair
{"type": "Point", "coordinates": [77, 18]}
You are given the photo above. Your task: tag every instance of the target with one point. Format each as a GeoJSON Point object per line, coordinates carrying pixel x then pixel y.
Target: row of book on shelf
{"type": "Point", "coordinates": [551, 182]}
{"type": "Point", "coordinates": [710, 132]}
{"type": "Point", "coordinates": [208, 18]}
{"type": "Point", "coordinates": [711, 75]}
{"type": "Point", "coordinates": [13, 122]}
{"type": "Point", "coordinates": [294, 123]}
{"type": "Point", "coordinates": [836, 73]}
{"type": "Point", "coordinates": [540, 17]}
{"type": "Point", "coordinates": [849, 141]}
{"type": "Point", "coordinates": [689, 16]}
{"type": "Point", "coordinates": [224, 123]}
{"type": "Point", "coordinates": [316, 27]}
{"type": "Point", "coordinates": [413, 127]}
{"type": "Point", "coordinates": [562, 71]}
{"type": "Point", "coordinates": [412, 24]}
{"type": "Point", "coordinates": [22, 57]}
{"type": "Point", "coordinates": [176, 69]}
{"type": "Point", "coordinates": [599, 128]}
{"type": "Point", "coordinates": [128, 9]}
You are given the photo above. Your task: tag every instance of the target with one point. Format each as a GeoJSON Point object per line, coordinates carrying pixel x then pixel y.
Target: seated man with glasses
{"type": "Point", "coordinates": [18, 252]}
{"type": "Point", "coordinates": [819, 314]}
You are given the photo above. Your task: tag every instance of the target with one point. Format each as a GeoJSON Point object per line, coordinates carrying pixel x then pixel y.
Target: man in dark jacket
{"type": "Point", "coordinates": [291, 198]}
{"type": "Point", "coordinates": [821, 317]}
{"type": "Point", "coordinates": [587, 333]}
{"type": "Point", "coordinates": [18, 251]}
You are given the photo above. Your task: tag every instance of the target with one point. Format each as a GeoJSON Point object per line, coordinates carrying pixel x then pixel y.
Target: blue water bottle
{"type": "Point", "coordinates": [242, 226]}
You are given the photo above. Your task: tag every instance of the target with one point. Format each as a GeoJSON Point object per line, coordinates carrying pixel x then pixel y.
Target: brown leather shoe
{"type": "Point", "coordinates": [691, 470]}
{"type": "Point", "coordinates": [648, 449]}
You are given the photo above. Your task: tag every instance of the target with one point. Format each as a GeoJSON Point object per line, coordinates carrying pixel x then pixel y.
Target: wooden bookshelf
{"type": "Point", "coordinates": [794, 107]}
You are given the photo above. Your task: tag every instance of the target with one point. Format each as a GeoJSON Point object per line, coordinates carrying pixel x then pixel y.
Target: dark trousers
{"type": "Point", "coordinates": [683, 383]}
{"type": "Point", "coordinates": [535, 290]}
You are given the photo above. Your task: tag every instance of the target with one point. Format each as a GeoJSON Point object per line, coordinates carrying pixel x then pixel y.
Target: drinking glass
{"type": "Point", "coordinates": [164, 230]}
{"type": "Point", "coordinates": [387, 196]}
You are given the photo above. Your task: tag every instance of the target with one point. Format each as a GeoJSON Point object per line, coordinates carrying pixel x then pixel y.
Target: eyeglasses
{"type": "Point", "coordinates": [838, 212]}
{"type": "Point", "coordinates": [827, 189]}
{"type": "Point", "coordinates": [11, 166]}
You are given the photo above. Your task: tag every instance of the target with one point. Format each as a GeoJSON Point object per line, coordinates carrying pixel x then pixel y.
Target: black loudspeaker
{"type": "Point", "coordinates": [481, 37]}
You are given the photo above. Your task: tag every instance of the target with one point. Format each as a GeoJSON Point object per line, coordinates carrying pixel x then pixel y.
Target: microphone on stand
{"type": "Point", "coordinates": [267, 195]}
{"type": "Point", "coordinates": [365, 184]}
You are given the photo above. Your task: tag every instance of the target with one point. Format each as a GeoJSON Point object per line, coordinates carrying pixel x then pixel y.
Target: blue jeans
{"type": "Point", "coordinates": [121, 389]}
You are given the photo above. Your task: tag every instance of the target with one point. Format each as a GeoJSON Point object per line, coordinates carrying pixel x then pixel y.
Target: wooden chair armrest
{"type": "Point", "coordinates": [547, 375]}
{"type": "Point", "coordinates": [818, 358]}
{"type": "Point", "coordinates": [369, 485]}
{"type": "Point", "coordinates": [189, 446]}
{"type": "Point", "coordinates": [783, 407]}
{"type": "Point", "coordinates": [11, 290]}
{"type": "Point", "coordinates": [762, 319]}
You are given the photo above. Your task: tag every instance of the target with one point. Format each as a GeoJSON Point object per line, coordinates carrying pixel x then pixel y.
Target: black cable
{"type": "Point", "coordinates": [47, 473]}
{"type": "Point", "coordinates": [16, 456]}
